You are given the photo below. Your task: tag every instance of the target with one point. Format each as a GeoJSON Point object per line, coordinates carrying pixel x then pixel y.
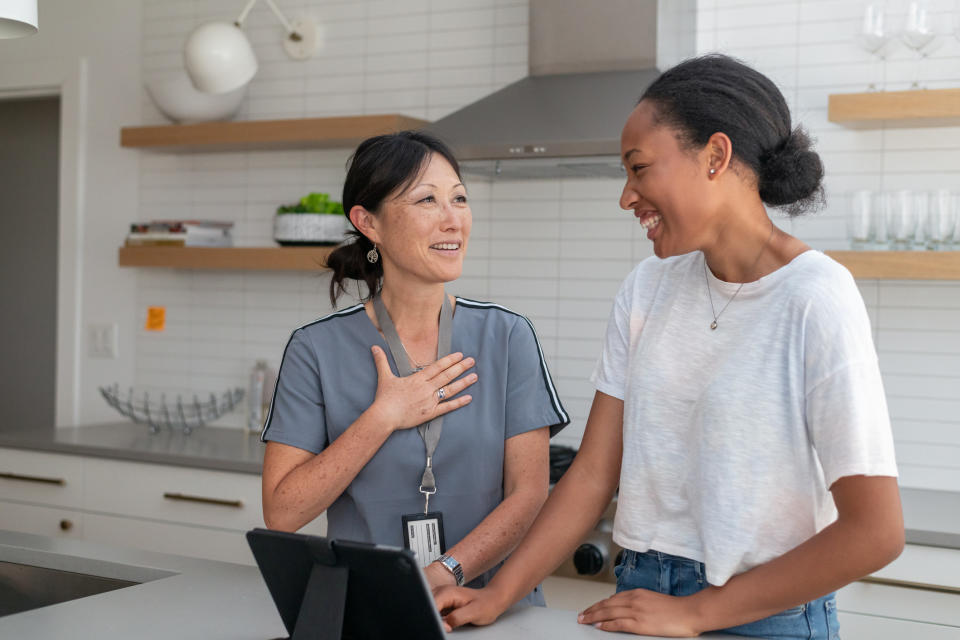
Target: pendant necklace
{"type": "Point", "coordinates": [716, 316]}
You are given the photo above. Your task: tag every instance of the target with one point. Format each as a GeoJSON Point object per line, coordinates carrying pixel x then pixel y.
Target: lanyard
{"type": "Point", "coordinates": [430, 431]}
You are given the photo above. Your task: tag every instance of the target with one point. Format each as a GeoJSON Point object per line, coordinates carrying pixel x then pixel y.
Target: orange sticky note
{"type": "Point", "coordinates": [156, 318]}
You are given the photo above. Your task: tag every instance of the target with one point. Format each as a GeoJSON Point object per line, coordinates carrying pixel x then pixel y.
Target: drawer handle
{"type": "Point", "coordinates": [66, 525]}
{"type": "Point", "coordinates": [237, 504]}
{"type": "Point", "coordinates": [910, 585]}
{"type": "Point", "coordinates": [40, 479]}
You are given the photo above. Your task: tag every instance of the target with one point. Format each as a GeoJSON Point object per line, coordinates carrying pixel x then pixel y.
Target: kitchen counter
{"type": "Point", "coordinates": [932, 518]}
{"type": "Point", "coordinates": [189, 598]}
{"type": "Point", "coordinates": [214, 448]}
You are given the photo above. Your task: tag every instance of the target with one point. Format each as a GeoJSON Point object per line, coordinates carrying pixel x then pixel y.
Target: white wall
{"type": "Point", "coordinates": [106, 33]}
{"type": "Point", "coordinates": [553, 249]}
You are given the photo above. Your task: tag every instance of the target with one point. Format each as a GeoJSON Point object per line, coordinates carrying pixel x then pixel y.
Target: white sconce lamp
{"type": "Point", "coordinates": [18, 18]}
{"type": "Point", "coordinates": [219, 58]}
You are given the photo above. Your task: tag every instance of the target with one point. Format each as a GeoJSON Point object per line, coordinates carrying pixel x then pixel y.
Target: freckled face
{"type": "Point", "coordinates": [666, 184]}
{"type": "Point", "coordinates": [423, 232]}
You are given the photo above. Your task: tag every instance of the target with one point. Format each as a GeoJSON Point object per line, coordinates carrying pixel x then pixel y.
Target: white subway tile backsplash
{"type": "Point", "coordinates": [516, 13]}
{"type": "Point", "coordinates": [457, 39]}
{"type": "Point", "coordinates": [396, 7]}
{"type": "Point", "coordinates": [513, 229]}
{"type": "Point", "coordinates": [458, 20]}
{"type": "Point", "coordinates": [524, 268]}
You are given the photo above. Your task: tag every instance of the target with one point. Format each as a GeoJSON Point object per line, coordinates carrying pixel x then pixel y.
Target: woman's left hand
{"type": "Point", "coordinates": [644, 612]}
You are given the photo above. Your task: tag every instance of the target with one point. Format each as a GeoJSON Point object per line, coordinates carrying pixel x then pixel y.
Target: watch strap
{"type": "Point", "coordinates": [453, 566]}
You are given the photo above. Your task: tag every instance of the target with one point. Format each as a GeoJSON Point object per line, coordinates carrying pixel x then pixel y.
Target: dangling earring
{"type": "Point", "coordinates": [372, 255]}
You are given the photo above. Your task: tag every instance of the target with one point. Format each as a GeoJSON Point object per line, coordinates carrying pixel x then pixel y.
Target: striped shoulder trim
{"type": "Point", "coordinates": [547, 380]}
{"type": "Point", "coordinates": [349, 311]}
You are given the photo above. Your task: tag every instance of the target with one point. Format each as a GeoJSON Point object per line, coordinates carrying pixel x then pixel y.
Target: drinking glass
{"type": "Point", "coordinates": [942, 220]}
{"type": "Point", "coordinates": [902, 220]}
{"type": "Point", "coordinates": [921, 208]}
{"type": "Point", "coordinates": [860, 218]}
{"type": "Point", "coordinates": [874, 35]}
{"type": "Point", "coordinates": [882, 204]}
{"type": "Point", "coordinates": [918, 33]}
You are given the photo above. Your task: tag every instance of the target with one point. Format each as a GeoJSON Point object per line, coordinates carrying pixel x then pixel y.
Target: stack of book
{"type": "Point", "coordinates": [180, 233]}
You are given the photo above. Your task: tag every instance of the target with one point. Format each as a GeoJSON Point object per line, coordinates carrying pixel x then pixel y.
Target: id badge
{"type": "Point", "coordinates": [423, 534]}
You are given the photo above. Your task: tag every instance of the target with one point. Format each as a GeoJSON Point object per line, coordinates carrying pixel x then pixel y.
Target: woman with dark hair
{"type": "Point", "coordinates": [352, 385]}
{"type": "Point", "coordinates": [739, 406]}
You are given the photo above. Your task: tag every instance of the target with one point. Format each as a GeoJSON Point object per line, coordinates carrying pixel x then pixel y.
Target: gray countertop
{"type": "Point", "coordinates": [189, 598]}
{"type": "Point", "coordinates": [206, 448]}
{"type": "Point", "coordinates": [932, 517]}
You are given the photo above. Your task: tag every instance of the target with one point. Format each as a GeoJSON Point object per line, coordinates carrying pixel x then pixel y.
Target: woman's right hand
{"type": "Point", "coordinates": [407, 402]}
{"type": "Point", "coordinates": [461, 605]}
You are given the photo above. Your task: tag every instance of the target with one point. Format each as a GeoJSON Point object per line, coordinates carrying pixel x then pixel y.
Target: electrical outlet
{"type": "Point", "coordinates": [102, 340]}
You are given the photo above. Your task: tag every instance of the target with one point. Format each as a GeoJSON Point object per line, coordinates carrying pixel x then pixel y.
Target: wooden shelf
{"type": "Point", "coordinates": [864, 265]}
{"type": "Point", "coordinates": [267, 134]}
{"type": "Point", "coordinates": [236, 258]}
{"type": "Point", "coordinates": [900, 265]}
{"type": "Point", "coordinates": [920, 106]}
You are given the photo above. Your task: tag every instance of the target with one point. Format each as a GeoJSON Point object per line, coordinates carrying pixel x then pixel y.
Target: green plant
{"type": "Point", "coordinates": [313, 203]}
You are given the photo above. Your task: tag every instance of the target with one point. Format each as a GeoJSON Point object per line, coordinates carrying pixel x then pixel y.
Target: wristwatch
{"type": "Point", "coordinates": [453, 567]}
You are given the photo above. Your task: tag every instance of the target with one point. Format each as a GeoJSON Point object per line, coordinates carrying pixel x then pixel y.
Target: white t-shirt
{"type": "Point", "coordinates": [732, 437]}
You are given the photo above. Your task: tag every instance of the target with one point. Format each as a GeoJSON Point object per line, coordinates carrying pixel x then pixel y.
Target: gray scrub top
{"type": "Point", "coordinates": [328, 378]}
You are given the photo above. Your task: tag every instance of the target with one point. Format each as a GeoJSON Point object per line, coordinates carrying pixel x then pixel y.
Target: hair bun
{"type": "Point", "coordinates": [791, 175]}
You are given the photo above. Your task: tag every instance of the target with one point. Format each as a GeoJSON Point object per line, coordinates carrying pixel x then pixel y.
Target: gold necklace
{"type": "Point", "coordinates": [716, 316]}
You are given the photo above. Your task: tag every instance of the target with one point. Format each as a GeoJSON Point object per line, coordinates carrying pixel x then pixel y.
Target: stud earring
{"type": "Point", "coordinates": [712, 171]}
{"type": "Point", "coordinates": [372, 255]}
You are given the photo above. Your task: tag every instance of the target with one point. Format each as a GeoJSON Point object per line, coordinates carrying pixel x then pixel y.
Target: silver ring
{"type": "Point", "coordinates": [441, 394]}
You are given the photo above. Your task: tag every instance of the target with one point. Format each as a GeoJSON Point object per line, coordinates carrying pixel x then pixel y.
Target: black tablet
{"type": "Point", "coordinates": [331, 589]}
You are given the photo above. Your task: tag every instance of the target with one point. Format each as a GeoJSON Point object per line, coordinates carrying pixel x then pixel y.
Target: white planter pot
{"type": "Point", "coordinates": [309, 228]}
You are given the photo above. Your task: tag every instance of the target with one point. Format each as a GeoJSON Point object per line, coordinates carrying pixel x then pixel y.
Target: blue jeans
{"type": "Point", "coordinates": [678, 576]}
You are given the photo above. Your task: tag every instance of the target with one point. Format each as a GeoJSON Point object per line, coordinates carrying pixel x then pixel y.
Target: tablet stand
{"type": "Point", "coordinates": [323, 604]}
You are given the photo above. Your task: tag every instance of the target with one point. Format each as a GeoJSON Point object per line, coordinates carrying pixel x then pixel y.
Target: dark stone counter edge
{"type": "Point", "coordinates": [131, 455]}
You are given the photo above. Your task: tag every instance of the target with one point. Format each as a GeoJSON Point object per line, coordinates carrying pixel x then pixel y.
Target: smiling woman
{"type": "Point", "coordinates": [353, 385]}
{"type": "Point", "coordinates": [739, 407]}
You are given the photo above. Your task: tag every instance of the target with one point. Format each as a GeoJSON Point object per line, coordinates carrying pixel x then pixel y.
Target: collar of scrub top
{"type": "Point", "coordinates": [430, 431]}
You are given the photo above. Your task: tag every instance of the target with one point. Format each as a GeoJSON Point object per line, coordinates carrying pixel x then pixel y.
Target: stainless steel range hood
{"type": "Point", "coordinates": [589, 61]}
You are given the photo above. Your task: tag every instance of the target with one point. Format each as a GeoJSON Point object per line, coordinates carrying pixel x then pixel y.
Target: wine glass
{"type": "Point", "coordinates": [918, 33]}
{"type": "Point", "coordinates": [873, 35]}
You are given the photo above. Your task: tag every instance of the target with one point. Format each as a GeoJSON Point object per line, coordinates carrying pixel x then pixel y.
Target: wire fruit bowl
{"type": "Point", "coordinates": [185, 416]}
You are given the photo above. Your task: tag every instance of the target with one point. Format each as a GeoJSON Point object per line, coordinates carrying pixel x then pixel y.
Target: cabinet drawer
{"type": "Point", "coordinates": [167, 537]}
{"type": "Point", "coordinates": [176, 494]}
{"type": "Point", "coordinates": [900, 602]}
{"type": "Point", "coordinates": [44, 521]}
{"type": "Point", "coordinates": [42, 478]}
{"type": "Point", "coordinates": [854, 625]}
{"type": "Point", "coordinates": [934, 566]}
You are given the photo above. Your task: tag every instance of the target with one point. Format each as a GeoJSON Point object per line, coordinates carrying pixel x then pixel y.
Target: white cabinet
{"type": "Point", "coordinates": [55, 522]}
{"type": "Point", "coordinates": [41, 478]}
{"type": "Point", "coordinates": [181, 510]}
{"type": "Point", "coordinates": [174, 494]}
{"type": "Point", "coordinates": [923, 588]}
